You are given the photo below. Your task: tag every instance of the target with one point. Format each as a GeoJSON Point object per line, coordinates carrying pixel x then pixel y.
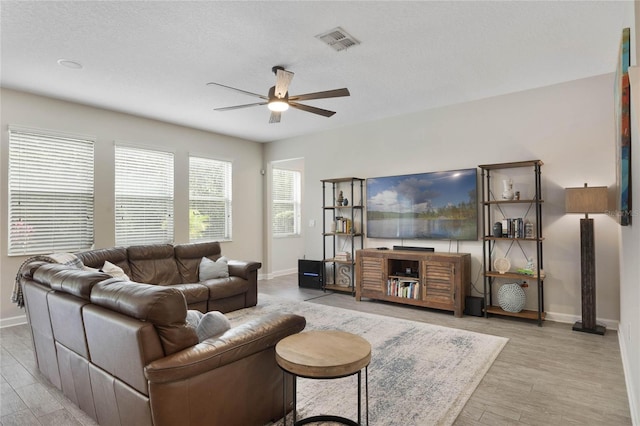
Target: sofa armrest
{"type": "Point", "coordinates": [242, 269]}
{"type": "Point", "coordinates": [237, 343]}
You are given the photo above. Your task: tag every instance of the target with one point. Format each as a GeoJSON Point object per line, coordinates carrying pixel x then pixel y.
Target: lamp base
{"type": "Point", "coordinates": [598, 329]}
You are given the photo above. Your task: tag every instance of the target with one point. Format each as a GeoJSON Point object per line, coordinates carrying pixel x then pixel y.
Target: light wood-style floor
{"type": "Point", "coordinates": [547, 375]}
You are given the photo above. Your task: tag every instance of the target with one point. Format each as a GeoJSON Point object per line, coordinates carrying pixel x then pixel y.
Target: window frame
{"type": "Point", "coordinates": [71, 187]}
{"type": "Point", "coordinates": [144, 220]}
{"type": "Point", "coordinates": [296, 202]}
{"type": "Point", "coordinates": [226, 198]}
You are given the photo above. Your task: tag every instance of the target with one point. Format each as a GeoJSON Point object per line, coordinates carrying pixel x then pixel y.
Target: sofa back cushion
{"type": "Point", "coordinates": [164, 307]}
{"type": "Point", "coordinates": [120, 345]}
{"type": "Point", "coordinates": [96, 258]}
{"type": "Point", "coordinates": [153, 264]}
{"type": "Point", "coordinates": [188, 257]}
{"type": "Point", "coordinates": [77, 282]}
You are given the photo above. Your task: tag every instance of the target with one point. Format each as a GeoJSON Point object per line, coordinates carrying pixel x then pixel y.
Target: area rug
{"type": "Point", "coordinates": [420, 374]}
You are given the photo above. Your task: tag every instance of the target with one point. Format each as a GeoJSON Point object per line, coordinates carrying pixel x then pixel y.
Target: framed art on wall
{"type": "Point", "coordinates": [622, 93]}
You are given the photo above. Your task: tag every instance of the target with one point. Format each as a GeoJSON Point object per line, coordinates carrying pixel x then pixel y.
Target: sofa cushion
{"type": "Point", "coordinates": [220, 288]}
{"type": "Point", "coordinates": [73, 281]}
{"type": "Point", "coordinates": [193, 292]}
{"type": "Point", "coordinates": [188, 257]}
{"type": "Point", "coordinates": [96, 258]}
{"type": "Point", "coordinates": [209, 269]}
{"type": "Point", "coordinates": [164, 307]}
{"type": "Point", "coordinates": [153, 264]}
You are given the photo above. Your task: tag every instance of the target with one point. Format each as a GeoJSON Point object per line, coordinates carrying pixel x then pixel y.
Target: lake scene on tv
{"type": "Point", "coordinates": [435, 206]}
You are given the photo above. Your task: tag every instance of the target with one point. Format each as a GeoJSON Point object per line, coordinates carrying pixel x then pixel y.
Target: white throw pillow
{"type": "Point", "coordinates": [212, 324]}
{"type": "Point", "coordinates": [114, 270]}
{"type": "Point", "coordinates": [210, 269]}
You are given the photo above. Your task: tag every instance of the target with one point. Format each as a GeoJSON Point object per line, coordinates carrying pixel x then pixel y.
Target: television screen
{"type": "Point", "coordinates": [432, 206]}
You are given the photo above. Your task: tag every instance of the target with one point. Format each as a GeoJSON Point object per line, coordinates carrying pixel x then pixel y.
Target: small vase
{"type": "Point", "coordinates": [507, 193]}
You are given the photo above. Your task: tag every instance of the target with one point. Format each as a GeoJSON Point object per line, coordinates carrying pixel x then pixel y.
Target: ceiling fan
{"type": "Point", "coordinates": [278, 99]}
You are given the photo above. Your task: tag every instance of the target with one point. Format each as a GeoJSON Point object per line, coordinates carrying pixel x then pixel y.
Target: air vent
{"type": "Point", "coordinates": [338, 39]}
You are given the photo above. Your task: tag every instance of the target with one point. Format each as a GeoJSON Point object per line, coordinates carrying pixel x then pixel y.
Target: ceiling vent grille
{"type": "Point", "coordinates": [338, 39]}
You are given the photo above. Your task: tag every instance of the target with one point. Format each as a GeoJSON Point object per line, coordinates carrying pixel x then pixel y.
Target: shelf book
{"type": "Point", "coordinates": [400, 287]}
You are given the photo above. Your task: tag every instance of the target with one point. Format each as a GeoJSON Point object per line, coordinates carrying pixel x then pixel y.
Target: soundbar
{"type": "Point", "coordinates": [413, 248]}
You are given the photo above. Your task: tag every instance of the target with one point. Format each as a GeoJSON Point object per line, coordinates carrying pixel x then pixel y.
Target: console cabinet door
{"type": "Point", "coordinates": [438, 280]}
{"type": "Point", "coordinates": [372, 275]}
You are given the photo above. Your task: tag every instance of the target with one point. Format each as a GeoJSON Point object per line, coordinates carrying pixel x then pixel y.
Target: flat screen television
{"type": "Point", "coordinates": [431, 206]}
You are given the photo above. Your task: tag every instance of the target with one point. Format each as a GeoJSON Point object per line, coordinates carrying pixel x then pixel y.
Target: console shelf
{"type": "Point", "coordinates": [427, 279]}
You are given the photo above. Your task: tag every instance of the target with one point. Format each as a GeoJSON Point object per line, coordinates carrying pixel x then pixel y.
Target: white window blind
{"type": "Point", "coordinates": [144, 196]}
{"type": "Point", "coordinates": [209, 199]}
{"type": "Point", "coordinates": [50, 192]}
{"type": "Point", "coordinates": [286, 202]}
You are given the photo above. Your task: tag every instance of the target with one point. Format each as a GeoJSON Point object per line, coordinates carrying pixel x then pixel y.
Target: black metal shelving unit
{"type": "Point", "coordinates": [341, 233]}
{"type": "Point", "coordinates": [493, 207]}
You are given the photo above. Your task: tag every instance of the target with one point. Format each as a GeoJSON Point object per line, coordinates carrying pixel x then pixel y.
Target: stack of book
{"type": "Point", "coordinates": [343, 256]}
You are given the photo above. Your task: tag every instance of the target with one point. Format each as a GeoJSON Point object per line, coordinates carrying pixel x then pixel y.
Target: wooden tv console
{"type": "Point", "coordinates": [419, 278]}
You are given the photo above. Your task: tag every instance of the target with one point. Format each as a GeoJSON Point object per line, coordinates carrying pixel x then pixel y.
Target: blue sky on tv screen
{"type": "Point", "coordinates": [421, 192]}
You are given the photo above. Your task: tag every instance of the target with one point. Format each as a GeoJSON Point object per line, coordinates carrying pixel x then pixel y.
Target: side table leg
{"type": "Point", "coordinates": [284, 398]}
{"type": "Point", "coordinates": [295, 379]}
{"type": "Point", "coordinates": [360, 397]}
{"type": "Point", "coordinates": [366, 392]}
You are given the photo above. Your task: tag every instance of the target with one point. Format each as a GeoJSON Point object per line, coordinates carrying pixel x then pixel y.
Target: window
{"type": "Point", "coordinates": [144, 196]}
{"type": "Point", "coordinates": [286, 203]}
{"type": "Point", "coordinates": [50, 192]}
{"type": "Point", "coordinates": [209, 199]}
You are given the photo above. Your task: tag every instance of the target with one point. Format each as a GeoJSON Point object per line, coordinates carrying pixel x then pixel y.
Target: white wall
{"type": "Point", "coordinates": [570, 127]}
{"type": "Point", "coordinates": [44, 113]}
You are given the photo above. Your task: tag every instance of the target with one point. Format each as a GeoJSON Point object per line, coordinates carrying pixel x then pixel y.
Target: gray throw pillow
{"type": "Point", "coordinates": [210, 269]}
{"type": "Point", "coordinates": [193, 317]}
{"type": "Point", "coordinates": [212, 324]}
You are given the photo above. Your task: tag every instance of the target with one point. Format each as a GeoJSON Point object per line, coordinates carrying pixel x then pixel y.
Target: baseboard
{"type": "Point", "coordinates": [277, 274]}
{"type": "Point", "coordinates": [10, 322]}
{"type": "Point", "coordinates": [570, 319]}
{"type": "Point", "coordinates": [634, 400]}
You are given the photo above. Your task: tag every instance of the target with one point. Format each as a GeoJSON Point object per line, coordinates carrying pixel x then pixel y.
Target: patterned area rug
{"type": "Point", "coordinates": [420, 374]}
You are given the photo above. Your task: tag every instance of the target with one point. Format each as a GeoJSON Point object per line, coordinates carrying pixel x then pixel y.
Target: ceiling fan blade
{"type": "Point", "coordinates": [321, 95]}
{"type": "Point", "coordinates": [239, 90]}
{"type": "Point", "coordinates": [283, 79]}
{"type": "Point", "coordinates": [311, 109]}
{"type": "Point", "coordinates": [239, 106]}
{"type": "Point", "coordinates": [275, 117]}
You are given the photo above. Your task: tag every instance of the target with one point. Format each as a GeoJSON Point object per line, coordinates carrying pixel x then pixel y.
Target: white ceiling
{"type": "Point", "coordinates": [154, 59]}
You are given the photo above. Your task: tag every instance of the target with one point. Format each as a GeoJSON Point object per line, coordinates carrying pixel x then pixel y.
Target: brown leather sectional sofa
{"type": "Point", "coordinates": [124, 354]}
{"type": "Point", "coordinates": [177, 266]}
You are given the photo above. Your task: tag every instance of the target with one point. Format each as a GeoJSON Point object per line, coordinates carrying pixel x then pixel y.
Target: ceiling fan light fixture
{"type": "Point", "coordinates": [278, 105]}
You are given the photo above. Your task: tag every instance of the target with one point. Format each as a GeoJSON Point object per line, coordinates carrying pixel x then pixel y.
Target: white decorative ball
{"type": "Point", "coordinates": [511, 297]}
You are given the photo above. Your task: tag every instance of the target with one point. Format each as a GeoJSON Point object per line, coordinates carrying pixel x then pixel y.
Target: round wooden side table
{"type": "Point", "coordinates": [325, 354]}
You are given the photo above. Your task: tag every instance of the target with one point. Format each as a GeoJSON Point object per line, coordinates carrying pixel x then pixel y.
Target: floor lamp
{"type": "Point", "coordinates": [587, 200]}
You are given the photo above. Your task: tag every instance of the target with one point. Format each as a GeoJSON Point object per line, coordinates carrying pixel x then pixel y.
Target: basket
{"type": "Point", "coordinates": [511, 297]}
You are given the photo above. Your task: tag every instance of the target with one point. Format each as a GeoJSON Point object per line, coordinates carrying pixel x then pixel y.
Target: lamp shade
{"type": "Point", "coordinates": [586, 199]}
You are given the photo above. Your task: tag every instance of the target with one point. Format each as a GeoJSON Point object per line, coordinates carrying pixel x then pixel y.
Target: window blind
{"type": "Point", "coordinates": [286, 202]}
{"type": "Point", "coordinates": [50, 192]}
{"type": "Point", "coordinates": [209, 199]}
{"type": "Point", "coordinates": [143, 196]}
